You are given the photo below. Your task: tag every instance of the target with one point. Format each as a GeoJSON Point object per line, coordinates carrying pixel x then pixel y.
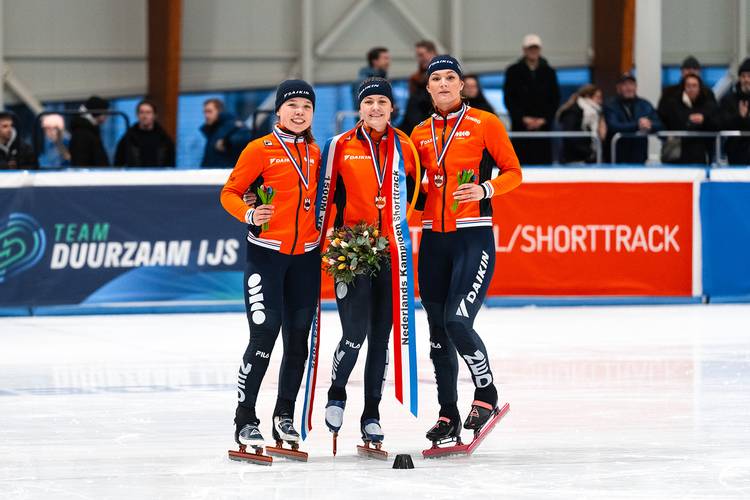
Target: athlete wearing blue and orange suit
{"type": "Point", "coordinates": [457, 250]}
{"type": "Point", "coordinates": [282, 277]}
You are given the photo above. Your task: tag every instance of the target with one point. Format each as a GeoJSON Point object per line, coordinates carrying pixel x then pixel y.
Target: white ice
{"type": "Point", "coordinates": [608, 402]}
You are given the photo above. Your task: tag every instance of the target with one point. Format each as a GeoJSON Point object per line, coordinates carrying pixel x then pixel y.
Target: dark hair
{"type": "Point", "coordinates": [374, 54]}
{"type": "Point", "coordinates": [8, 115]}
{"type": "Point", "coordinates": [218, 103]}
{"type": "Point", "coordinates": [426, 44]}
{"type": "Point", "coordinates": [146, 102]}
{"type": "Point", "coordinates": [684, 79]}
{"type": "Point", "coordinates": [472, 75]}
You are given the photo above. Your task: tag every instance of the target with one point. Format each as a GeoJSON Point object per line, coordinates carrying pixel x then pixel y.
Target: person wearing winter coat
{"type": "Point", "coordinates": [86, 146]}
{"type": "Point", "coordinates": [145, 144]}
{"type": "Point", "coordinates": [692, 111]}
{"type": "Point", "coordinates": [532, 95]}
{"type": "Point", "coordinates": [226, 136]}
{"type": "Point", "coordinates": [582, 113]}
{"type": "Point", "coordinates": [628, 113]}
{"type": "Point", "coordinates": [14, 153]}
{"type": "Point", "coordinates": [734, 115]}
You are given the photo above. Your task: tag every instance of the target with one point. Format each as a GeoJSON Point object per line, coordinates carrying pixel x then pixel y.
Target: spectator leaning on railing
{"type": "Point", "coordinates": [691, 111]}
{"type": "Point", "coordinates": [690, 66]}
{"type": "Point", "coordinates": [86, 146]}
{"type": "Point", "coordinates": [145, 144]}
{"type": "Point", "coordinates": [582, 113]}
{"type": "Point", "coordinates": [628, 113]}
{"type": "Point", "coordinates": [532, 96]}
{"type": "Point", "coordinates": [14, 153]}
{"type": "Point", "coordinates": [734, 115]}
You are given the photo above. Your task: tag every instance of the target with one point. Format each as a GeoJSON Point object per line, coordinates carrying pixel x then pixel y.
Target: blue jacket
{"type": "Point", "coordinates": [623, 118]}
{"type": "Point", "coordinates": [235, 136]}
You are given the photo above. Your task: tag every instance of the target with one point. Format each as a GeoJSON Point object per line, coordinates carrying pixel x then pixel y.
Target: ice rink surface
{"type": "Point", "coordinates": [607, 402]}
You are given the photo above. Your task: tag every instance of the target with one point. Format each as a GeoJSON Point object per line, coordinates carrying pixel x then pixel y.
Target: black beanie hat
{"type": "Point", "coordinates": [745, 66]}
{"type": "Point", "coordinates": [374, 86]}
{"type": "Point", "coordinates": [443, 62]}
{"type": "Point", "coordinates": [96, 103]}
{"type": "Point", "coordinates": [289, 89]}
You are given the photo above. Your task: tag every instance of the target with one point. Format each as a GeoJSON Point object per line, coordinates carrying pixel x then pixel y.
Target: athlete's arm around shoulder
{"type": "Point", "coordinates": [248, 168]}
{"type": "Point", "coordinates": [497, 142]}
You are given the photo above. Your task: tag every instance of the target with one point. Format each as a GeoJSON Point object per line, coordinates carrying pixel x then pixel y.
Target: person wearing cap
{"type": "Point", "coordinates": [363, 162]}
{"type": "Point", "coordinates": [532, 96]}
{"type": "Point", "coordinates": [459, 146]}
{"type": "Point", "coordinates": [734, 115]}
{"type": "Point", "coordinates": [628, 113]}
{"type": "Point", "coordinates": [690, 66]}
{"type": "Point", "coordinates": [86, 146]}
{"type": "Point", "coordinates": [282, 273]}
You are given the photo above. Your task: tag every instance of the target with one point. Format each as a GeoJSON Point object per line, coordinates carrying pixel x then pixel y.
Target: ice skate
{"type": "Point", "coordinates": [479, 414]}
{"type": "Point", "coordinates": [249, 436]}
{"type": "Point", "coordinates": [284, 432]}
{"type": "Point", "coordinates": [372, 435]}
{"type": "Point", "coordinates": [485, 427]}
{"type": "Point", "coordinates": [334, 419]}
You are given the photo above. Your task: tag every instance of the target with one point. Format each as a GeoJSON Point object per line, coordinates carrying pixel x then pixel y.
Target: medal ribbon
{"type": "Point", "coordinates": [440, 156]}
{"type": "Point", "coordinates": [297, 167]}
{"type": "Point", "coordinates": [375, 155]}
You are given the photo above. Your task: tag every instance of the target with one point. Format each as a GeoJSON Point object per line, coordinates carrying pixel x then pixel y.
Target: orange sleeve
{"type": "Point", "coordinates": [498, 143]}
{"type": "Point", "coordinates": [248, 168]}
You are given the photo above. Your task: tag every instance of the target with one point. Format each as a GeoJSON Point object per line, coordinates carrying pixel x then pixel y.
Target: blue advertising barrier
{"type": "Point", "coordinates": [93, 247]}
{"type": "Point", "coordinates": [725, 221]}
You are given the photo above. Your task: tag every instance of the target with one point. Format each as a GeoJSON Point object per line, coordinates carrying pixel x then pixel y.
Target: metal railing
{"type": "Point", "coordinates": [717, 137]}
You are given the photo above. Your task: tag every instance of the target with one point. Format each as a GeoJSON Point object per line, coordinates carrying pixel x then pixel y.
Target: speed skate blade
{"type": "Point", "coordinates": [278, 451]}
{"type": "Point", "coordinates": [467, 449]}
{"type": "Point", "coordinates": [253, 457]}
{"type": "Point", "coordinates": [370, 452]}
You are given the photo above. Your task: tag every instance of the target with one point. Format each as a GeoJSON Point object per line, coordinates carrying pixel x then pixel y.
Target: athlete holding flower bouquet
{"type": "Point", "coordinates": [366, 172]}
{"type": "Point", "coordinates": [458, 147]}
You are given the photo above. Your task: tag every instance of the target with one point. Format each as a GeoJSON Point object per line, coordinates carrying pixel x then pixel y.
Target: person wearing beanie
{"type": "Point", "coordinates": [282, 276]}
{"type": "Point", "coordinates": [363, 163]}
{"type": "Point", "coordinates": [459, 147]}
{"type": "Point", "coordinates": [86, 145]}
{"type": "Point", "coordinates": [532, 96]}
{"type": "Point", "coordinates": [672, 95]}
{"type": "Point", "coordinates": [734, 115]}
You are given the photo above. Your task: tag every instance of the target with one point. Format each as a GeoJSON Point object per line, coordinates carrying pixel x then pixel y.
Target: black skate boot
{"type": "Point", "coordinates": [480, 413]}
{"type": "Point", "coordinates": [247, 434]}
{"type": "Point", "coordinates": [446, 429]}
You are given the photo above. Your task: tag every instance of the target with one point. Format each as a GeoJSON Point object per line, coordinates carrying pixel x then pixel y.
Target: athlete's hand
{"type": "Point", "coordinates": [249, 198]}
{"type": "Point", "coordinates": [468, 192]}
{"type": "Point", "coordinates": [263, 214]}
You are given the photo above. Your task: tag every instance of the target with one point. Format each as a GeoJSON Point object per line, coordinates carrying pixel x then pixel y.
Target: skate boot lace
{"type": "Point", "coordinates": [287, 426]}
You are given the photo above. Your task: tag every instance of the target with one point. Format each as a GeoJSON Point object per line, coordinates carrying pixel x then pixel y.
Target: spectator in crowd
{"type": "Point", "coordinates": [226, 136]}
{"type": "Point", "coordinates": [628, 113]}
{"type": "Point", "coordinates": [419, 105]}
{"type": "Point", "coordinates": [693, 111]}
{"type": "Point", "coordinates": [474, 95]}
{"type": "Point", "coordinates": [55, 149]}
{"type": "Point", "coordinates": [14, 153]}
{"type": "Point", "coordinates": [145, 144]}
{"type": "Point", "coordinates": [690, 66]}
{"type": "Point", "coordinates": [86, 146]}
{"type": "Point", "coordinates": [734, 116]}
{"type": "Point", "coordinates": [378, 62]}
{"type": "Point", "coordinates": [582, 113]}
{"type": "Point", "coordinates": [532, 96]}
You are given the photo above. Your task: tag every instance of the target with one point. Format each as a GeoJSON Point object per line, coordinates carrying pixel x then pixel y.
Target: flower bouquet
{"type": "Point", "coordinates": [464, 177]}
{"type": "Point", "coordinates": [354, 251]}
{"type": "Point", "coordinates": [266, 194]}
